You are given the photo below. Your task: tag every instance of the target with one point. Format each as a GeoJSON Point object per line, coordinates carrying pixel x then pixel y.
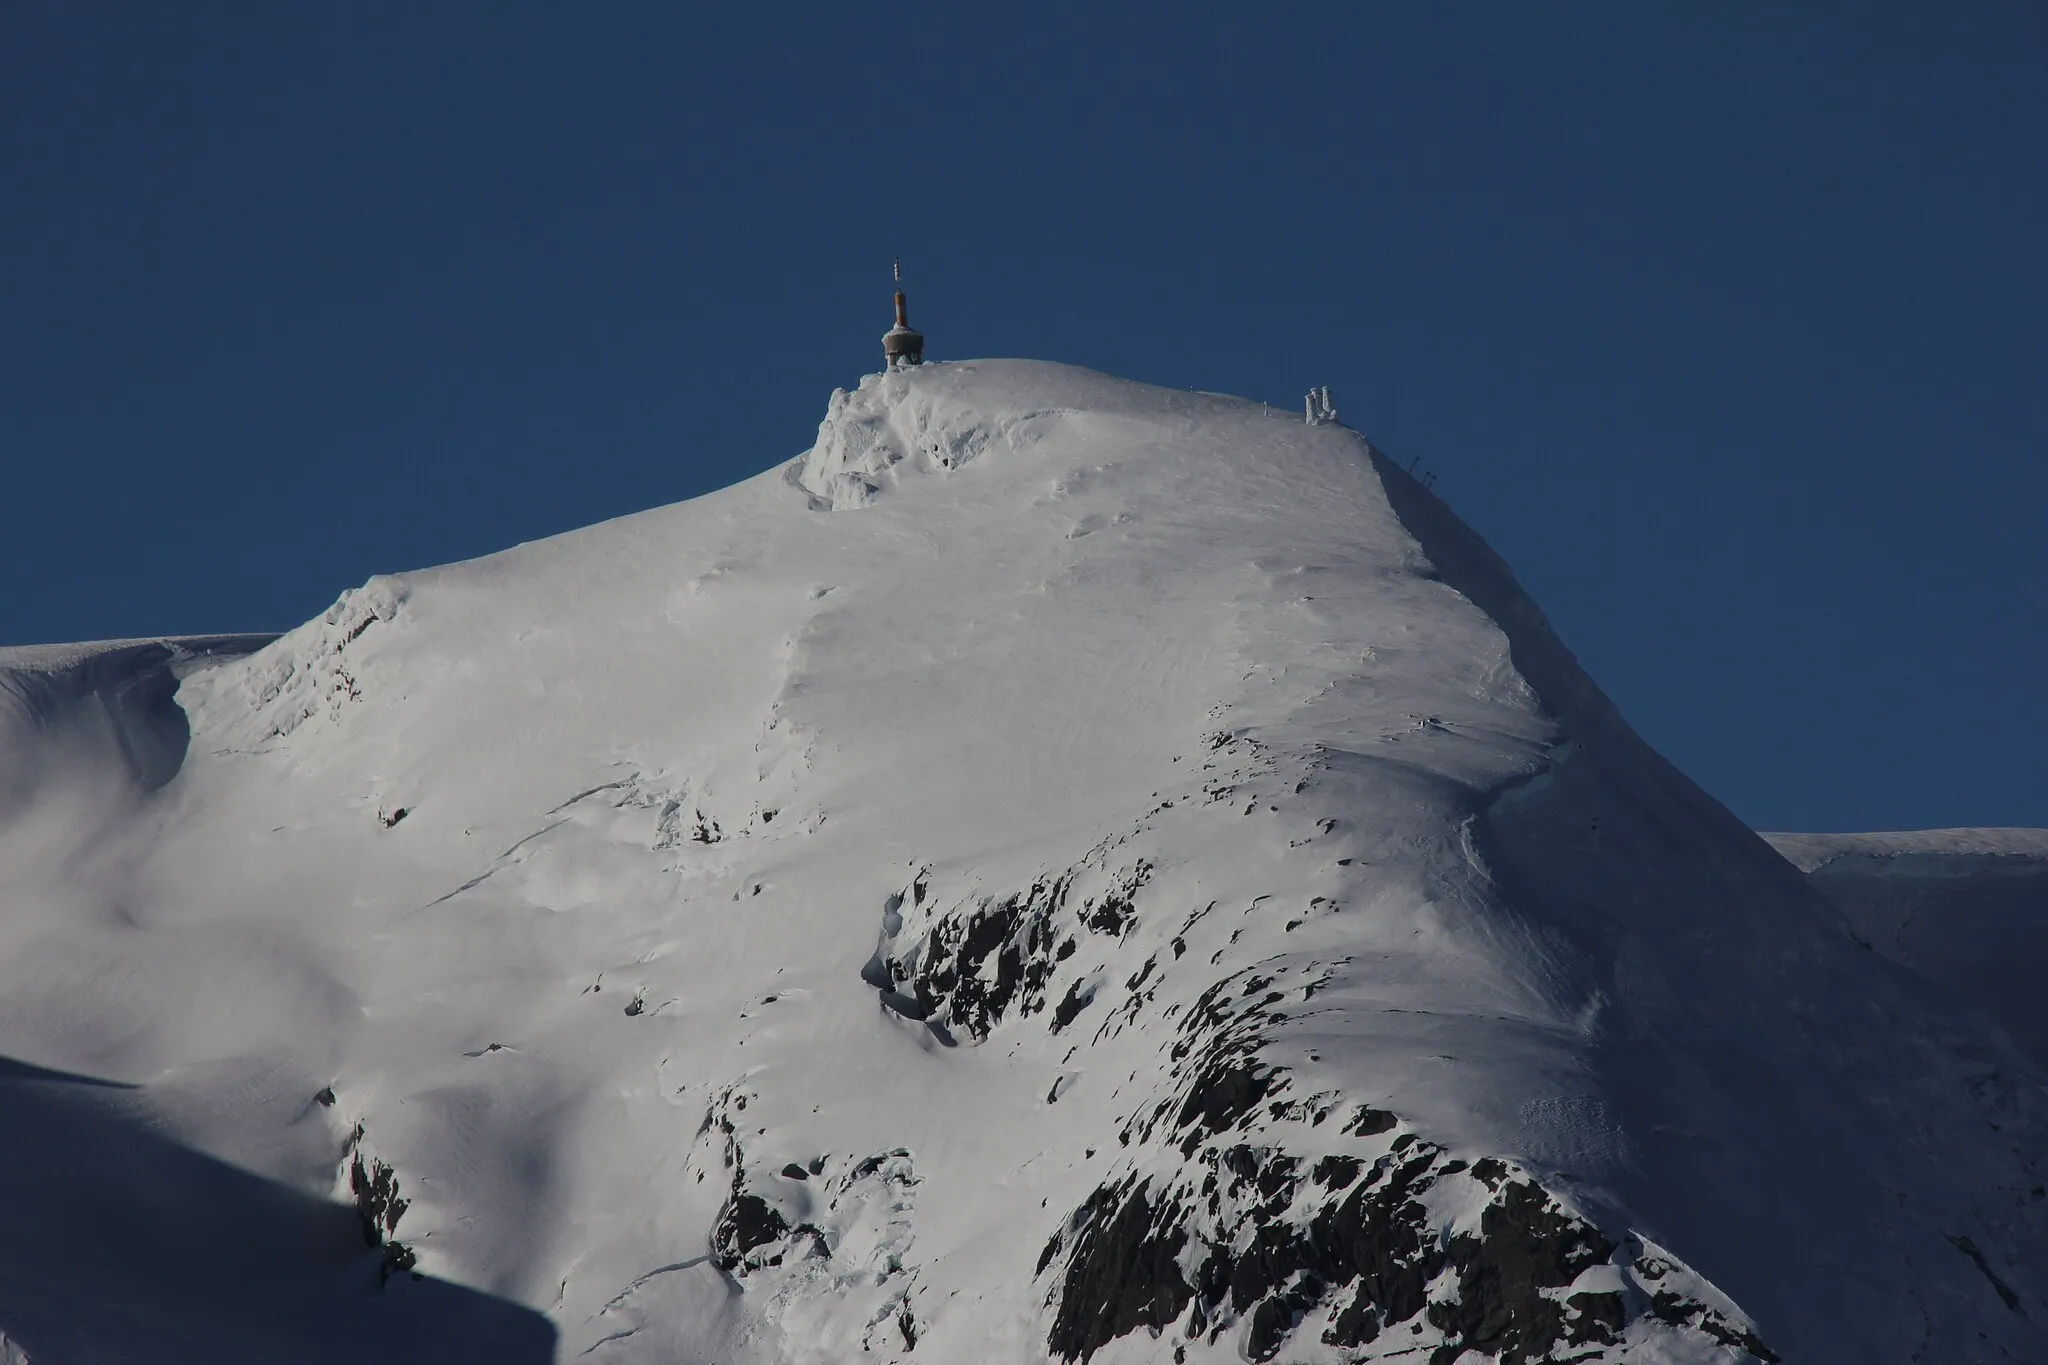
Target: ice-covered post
{"type": "Point", "coordinates": [901, 345]}
{"type": "Point", "coordinates": [1321, 410]}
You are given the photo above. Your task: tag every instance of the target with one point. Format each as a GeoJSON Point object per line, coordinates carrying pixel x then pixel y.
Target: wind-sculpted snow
{"type": "Point", "coordinates": [889, 419]}
{"type": "Point", "coordinates": [70, 710]}
{"type": "Point", "coordinates": [1966, 907]}
{"type": "Point", "coordinates": [1063, 869]}
{"type": "Point", "coordinates": [313, 671]}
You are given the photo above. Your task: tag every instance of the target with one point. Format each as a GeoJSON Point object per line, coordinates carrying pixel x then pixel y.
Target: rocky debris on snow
{"type": "Point", "coordinates": [824, 1230]}
{"type": "Point", "coordinates": [964, 969]}
{"type": "Point", "coordinates": [374, 1188]}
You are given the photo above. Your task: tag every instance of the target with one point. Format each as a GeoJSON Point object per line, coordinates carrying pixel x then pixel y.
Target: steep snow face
{"type": "Point", "coordinates": [1967, 907]}
{"type": "Point", "coordinates": [103, 709]}
{"type": "Point", "coordinates": [1063, 868]}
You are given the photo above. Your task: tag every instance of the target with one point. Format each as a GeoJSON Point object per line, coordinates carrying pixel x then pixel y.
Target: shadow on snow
{"type": "Point", "coordinates": [120, 1245]}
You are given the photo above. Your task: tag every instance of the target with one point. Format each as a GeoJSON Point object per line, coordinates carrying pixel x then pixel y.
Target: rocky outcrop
{"type": "Point", "coordinates": [1458, 1256]}
{"type": "Point", "coordinates": [373, 1187]}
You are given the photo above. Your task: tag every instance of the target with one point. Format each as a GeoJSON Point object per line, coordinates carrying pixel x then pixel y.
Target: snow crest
{"type": "Point", "coordinates": [314, 671]}
{"type": "Point", "coordinates": [889, 420]}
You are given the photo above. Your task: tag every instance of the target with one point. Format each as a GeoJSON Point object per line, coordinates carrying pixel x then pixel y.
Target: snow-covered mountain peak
{"type": "Point", "coordinates": [1063, 867]}
{"type": "Point", "coordinates": [941, 417]}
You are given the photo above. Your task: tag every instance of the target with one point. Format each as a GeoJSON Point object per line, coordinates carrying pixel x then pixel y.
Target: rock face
{"type": "Point", "coordinates": [1062, 869]}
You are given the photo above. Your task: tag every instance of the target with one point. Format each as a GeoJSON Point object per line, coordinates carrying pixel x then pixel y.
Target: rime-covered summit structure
{"type": "Point", "coordinates": [1063, 868]}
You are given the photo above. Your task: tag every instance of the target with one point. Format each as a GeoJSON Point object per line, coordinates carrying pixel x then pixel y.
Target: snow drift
{"type": "Point", "coordinates": [1064, 868]}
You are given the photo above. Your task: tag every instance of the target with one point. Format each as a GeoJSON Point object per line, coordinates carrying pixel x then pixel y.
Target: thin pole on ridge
{"type": "Point", "coordinates": [902, 345]}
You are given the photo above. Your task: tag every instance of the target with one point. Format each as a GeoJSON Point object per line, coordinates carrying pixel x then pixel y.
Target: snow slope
{"type": "Point", "coordinates": [1063, 868]}
{"type": "Point", "coordinates": [1968, 907]}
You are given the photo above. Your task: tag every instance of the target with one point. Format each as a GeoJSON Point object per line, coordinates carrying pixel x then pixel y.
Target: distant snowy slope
{"type": "Point", "coordinates": [1969, 907]}
{"type": "Point", "coordinates": [1063, 868]}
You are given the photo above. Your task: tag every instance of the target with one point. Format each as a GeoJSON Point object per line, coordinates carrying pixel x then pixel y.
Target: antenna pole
{"type": "Point", "coordinates": [902, 345]}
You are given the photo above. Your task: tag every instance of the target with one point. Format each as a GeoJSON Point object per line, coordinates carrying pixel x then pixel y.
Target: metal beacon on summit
{"type": "Point", "coordinates": [900, 344]}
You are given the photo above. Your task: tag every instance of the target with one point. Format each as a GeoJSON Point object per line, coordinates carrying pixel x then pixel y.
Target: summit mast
{"type": "Point", "coordinates": [901, 345]}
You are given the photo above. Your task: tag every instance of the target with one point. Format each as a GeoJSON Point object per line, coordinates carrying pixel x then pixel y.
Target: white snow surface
{"type": "Point", "coordinates": [1967, 907]}
{"type": "Point", "coordinates": [1812, 852]}
{"type": "Point", "coordinates": [570, 874]}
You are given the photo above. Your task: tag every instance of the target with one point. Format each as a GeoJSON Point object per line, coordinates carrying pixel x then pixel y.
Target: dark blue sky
{"type": "Point", "coordinates": [1725, 324]}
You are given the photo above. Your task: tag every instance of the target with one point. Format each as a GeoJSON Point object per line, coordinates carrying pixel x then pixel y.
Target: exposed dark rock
{"type": "Point", "coordinates": [378, 1205]}
{"type": "Point", "coordinates": [1276, 1252]}
{"type": "Point", "coordinates": [989, 959]}
{"type": "Point", "coordinates": [867, 1166]}
{"type": "Point", "coordinates": [975, 964]}
{"type": "Point", "coordinates": [374, 1188]}
{"type": "Point", "coordinates": [907, 1325]}
{"type": "Point", "coordinates": [1275, 1318]}
{"type": "Point", "coordinates": [1356, 1324]}
{"type": "Point", "coordinates": [1368, 1259]}
{"type": "Point", "coordinates": [1370, 1122]}
{"type": "Point", "coordinates": [746, 1223]}
{"type": "Point", "coordinates": [1052, 1249]}
{"type": "Point", "coordinates": [1378, 1236]}
{"type": "Point", "coordinates": [1076, 1000]}
{"type": "Point", "coordinates": [1598, 1318]}
{"type": "Point", "coordinates": [1525, 1244]}
{"type": "Point", "coordinates": [1124, 1273]}
{"type": "Point", "coordinates": [1221, 1095]}
{"type": "Point", "coordinates": [795, 1172]}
